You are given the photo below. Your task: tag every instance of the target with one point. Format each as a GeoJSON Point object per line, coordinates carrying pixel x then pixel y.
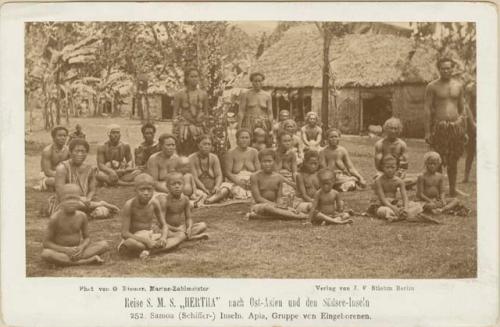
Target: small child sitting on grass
{"type": "Point", "coordinates": [195, 195]}
{"type": "Point", "coordinates": [67, 242]}
{"type": "Point", "coordinates": [266, 186]}
{"type": "Point", "coordinates": [178, 210]}
{"type": "Point", "coordinates": [430, 186]}
{"type": "Point", "coordinates": [328, 207]}
{"type": "Point", "coordinates": [386, 188]}
{"type": "Point", "coordinates": [137, 218]}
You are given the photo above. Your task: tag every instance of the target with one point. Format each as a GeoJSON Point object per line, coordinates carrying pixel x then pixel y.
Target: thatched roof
{"type": "Point", "coordinates": [358, 60]}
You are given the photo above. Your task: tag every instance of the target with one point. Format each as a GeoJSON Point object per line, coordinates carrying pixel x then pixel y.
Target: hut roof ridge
{"type": "Point", "coordinates": [358, 60]}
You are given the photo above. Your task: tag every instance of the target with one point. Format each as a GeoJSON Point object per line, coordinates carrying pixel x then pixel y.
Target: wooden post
{"type": "Point", "coordinates": [325, 89]}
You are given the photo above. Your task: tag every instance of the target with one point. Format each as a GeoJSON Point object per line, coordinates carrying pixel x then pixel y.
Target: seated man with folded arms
{"type": "Point", "coordinates": [67, 242]}
{"type": "Point", "coordinates": [114, 160]}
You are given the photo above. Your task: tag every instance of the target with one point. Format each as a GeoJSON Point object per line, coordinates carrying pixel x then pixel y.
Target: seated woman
{"type": "Point", "coordinates": [163, 162]}
{"type": "Point", "coordinates": [290, 126]}
{"type": "Point", "coordinates": [207, 171]}
{"type": "Point", "coordinates": [239, 164]}
{"type": "Point", "coordinates": [76, 171]}
{"type": "Point", "coordinates": [286, 163]}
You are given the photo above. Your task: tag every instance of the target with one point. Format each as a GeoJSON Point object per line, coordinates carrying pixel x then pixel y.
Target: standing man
{"type": "Point", "coordinates": [446, 120]}
{"type": "Point", "coordinates": [52, 155]}
{"type": "Point", "coordinates": [146, 148]}
{"type": "Point", "coordinates": [470, 149]}
{"type": "Point", "coordinates": [114, 160]}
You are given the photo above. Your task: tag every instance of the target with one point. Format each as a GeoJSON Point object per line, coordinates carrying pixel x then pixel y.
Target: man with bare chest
{"type": "Point", "coordinates": [114, 160]}
{"type": "Point", "coordinates": [446, 120]}
{"type": "Point", "coordinates": [52, 155]}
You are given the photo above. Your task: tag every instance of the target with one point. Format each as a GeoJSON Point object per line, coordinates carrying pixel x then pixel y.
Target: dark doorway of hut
{"type": "Point", "coordinates": [107, 109]}
{"type": "Point", "coordinates": [375, 111]}
{"type": "Point", "coordinates": [167, 107]}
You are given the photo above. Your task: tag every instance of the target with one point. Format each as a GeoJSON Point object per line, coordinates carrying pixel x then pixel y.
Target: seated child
{"type": "Point", "coordinates": [336, 158]}
{"type": "Point", "coordinates": [286, 163]}
{"type": "Point", "coordinates": [311, 132]}
{"type": "Point", "coordinates": [178, 210]}
{"type": "Point", "coordinates": [328, 207]}
{"type": "Point", "coordinates": [137, 217]}
{"type": "Point", "coordinates": [290, 126]}
{"type": "Point", "coordinates": [195, 195]}
{"type": "Point", "coordinates": [259, 141]}
{"type": "Point", "coordinates": [266, 186]}
{"type": "Point", "coordinates": [430, 186]}
{"type": "Point", "coordinates": [392, 144]}
{"type": "Point", "coordinates": [67, 241]}
{"type": "Point", "coordinates": [386, 188]}
{"type": "Point", "coordinates": [307, 179]}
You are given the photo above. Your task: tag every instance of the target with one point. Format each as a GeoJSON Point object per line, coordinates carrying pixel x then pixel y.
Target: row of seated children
{"type": "Point", "coordinates": [67, 240]}
{"type": "Point", "coordinates": [430, 192]}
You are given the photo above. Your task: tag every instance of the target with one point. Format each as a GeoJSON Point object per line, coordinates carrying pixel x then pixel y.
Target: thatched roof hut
{"type": "Point", "coordinates": [363, 66]}
{"type": "Point", "coordinates": [357, 60]}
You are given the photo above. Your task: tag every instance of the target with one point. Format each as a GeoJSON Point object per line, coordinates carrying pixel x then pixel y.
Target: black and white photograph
{"type": "Point", "coordinates": [246, 164]}
{"type": "Point", "coordinates": [250, 149]}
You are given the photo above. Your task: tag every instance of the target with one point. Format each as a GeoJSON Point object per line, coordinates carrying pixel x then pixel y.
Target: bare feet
{"type": "Point", "coordinates": [459, 193]}
{"type": "Point", "coordinates": [144, 255]}
{"type": "Point", "coordinates": [97, 260]}
{"type": "Point", "coordinates": [203, 236]}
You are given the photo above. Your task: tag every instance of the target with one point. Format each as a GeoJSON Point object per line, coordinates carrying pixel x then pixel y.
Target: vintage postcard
{"type": "Point", "coordinates": [249, 164]}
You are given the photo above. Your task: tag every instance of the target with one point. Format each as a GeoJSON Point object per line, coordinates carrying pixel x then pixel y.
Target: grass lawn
{"type": "Point", "coordinates": [369, 248]}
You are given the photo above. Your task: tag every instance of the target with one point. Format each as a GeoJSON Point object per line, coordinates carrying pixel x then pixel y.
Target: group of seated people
{"type": "Point", "coordinates": [295, 180]}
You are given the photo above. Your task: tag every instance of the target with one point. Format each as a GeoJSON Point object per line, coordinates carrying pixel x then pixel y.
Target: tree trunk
{"type": "Point", "coordinates": [58, 100]}
{"type": "Point", "coordinates": [325, 87]}
{"type": "Point", "coordinates": [146, 105]}
{"type": "Point", "coordinates": [114, 106]}
{"type": "Point", "coordinates": [140, 109]}
{"type": "Point", "coordinates": [30, 108]}
{"type": "Point", "coordinates": [51, 113]}
{"type": "Point", "coordinates": [68, 106]}
{"type": "Point", "coordinates": [46, 101]}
